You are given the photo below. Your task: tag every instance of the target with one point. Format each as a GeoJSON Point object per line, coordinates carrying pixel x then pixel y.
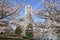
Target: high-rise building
{"type": "Point", "coordinates": [28, 13]}
{"type": "Point", "coordinates": [28, 17]}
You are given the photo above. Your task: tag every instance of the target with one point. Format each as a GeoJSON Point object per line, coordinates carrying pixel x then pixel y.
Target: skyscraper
{"type": "Point", "coordinates": [28, 13]}
{"type": "Point", "coordinates": [28, 17]}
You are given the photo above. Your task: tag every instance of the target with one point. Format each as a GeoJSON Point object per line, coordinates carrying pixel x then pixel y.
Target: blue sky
{"type": "Point", "coordinates": [36, 5]}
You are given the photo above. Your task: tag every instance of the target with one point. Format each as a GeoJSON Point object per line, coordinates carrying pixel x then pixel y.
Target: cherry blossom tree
{"type": "Point", "coordinates": [7, 8]}
{"type": "Point", "coordinates": [51, 14]}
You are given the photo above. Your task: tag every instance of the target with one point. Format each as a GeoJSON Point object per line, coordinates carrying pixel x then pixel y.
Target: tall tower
{"type": "Point", "coordinates": [28, 17]}
{"type": "Point", "coordinates": [28, 13]}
